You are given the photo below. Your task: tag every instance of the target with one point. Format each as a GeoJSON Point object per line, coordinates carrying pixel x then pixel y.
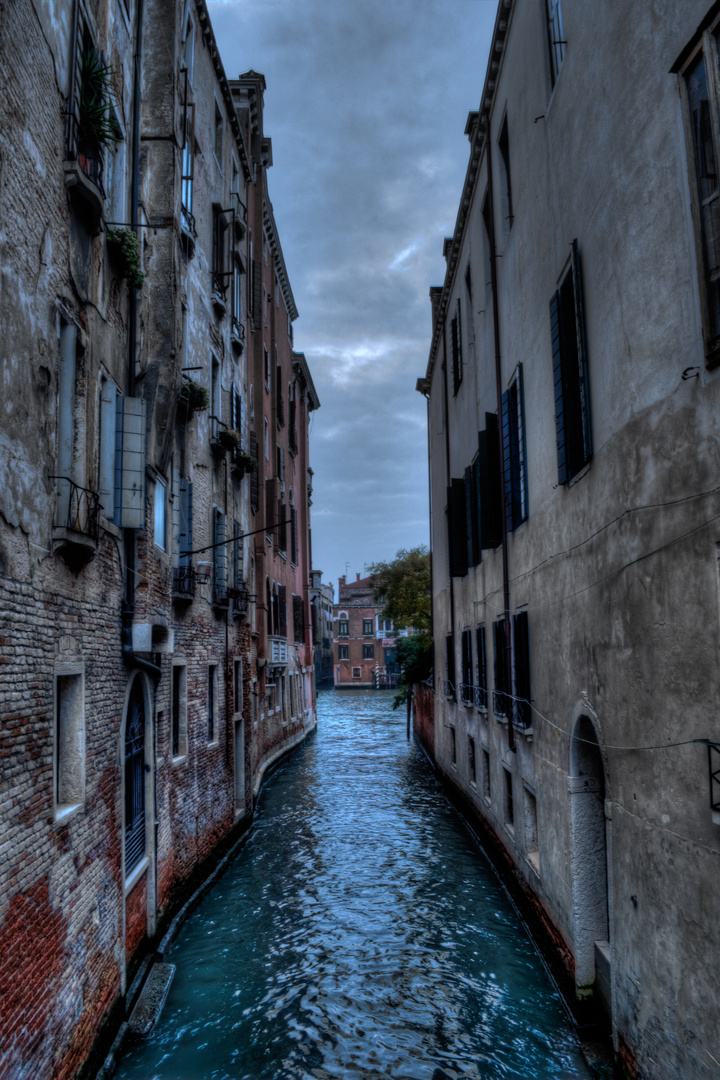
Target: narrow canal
{"type": "Point", "coordinates": [358, 934]}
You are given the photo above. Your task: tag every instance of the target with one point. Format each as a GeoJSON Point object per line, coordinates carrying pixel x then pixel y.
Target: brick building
{"type": "Point", "coordinates": [322, 595]}
{"type": "Point", "coordinates": [364, 645]}
{"type": "Point", "coordinates": [148, 675]}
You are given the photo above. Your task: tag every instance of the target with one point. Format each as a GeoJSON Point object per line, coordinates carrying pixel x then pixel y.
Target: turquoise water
{"type": "Point", "coordinates": [358, 934]}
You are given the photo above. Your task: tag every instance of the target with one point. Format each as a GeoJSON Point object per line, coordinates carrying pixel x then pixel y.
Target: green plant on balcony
{"type": "Point", "coordinates": [244, 463]}
{"type": "Point", "coordinates": [194, 396]}
{"type": "Point", "coordinates": [97, 126]}
{"type": "Point", "coordinates": [230, 440]}
{"type": "Point", "coordinates": [125, 249]}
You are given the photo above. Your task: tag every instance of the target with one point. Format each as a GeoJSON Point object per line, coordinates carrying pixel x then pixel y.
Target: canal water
{"type": "Point", "coordinates": [358, 934]}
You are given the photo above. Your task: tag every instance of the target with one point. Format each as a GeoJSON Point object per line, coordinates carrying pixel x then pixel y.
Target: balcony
{"type": "Point", "coordinates": [219, 292]}
{"type": "Point", "coordinates": [238, 335]}
{"type": "Point", "coordinates": [277, 651]}
{"type": "Point", "coordinates": [239, 602]}
{"type": "Point", "coordinates": [83, 178]}
{"type": "Point", "coordinates": [76, 524]}
{"type": "Point", "coordinates": [480, 696]}
{"type": "Point", "coordinates": [188, 232]}
{"type": "Point", "coordinates": [466, 693]}
{"type": "Point", "coordinates": [183, 584]}
{"type": "Point", "coordinates": [521, 714]}
{"type": "Point", "coordinates": [449, 689]}
{"type": "Point", "coordinates": [239, 215]}
{"type": "Point", "coordinates": [220, 595]}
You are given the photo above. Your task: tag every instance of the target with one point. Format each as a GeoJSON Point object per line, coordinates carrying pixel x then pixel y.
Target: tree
{"type": "Point", "coordinates": [403, 588]}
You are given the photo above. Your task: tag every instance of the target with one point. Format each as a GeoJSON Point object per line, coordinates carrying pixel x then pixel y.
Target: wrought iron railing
{"type": "Point", "coordinates": [221, 597]}
{"type": "Point", "coordinates": [188, 220]}
{"type": "Point", "coordinates": [480, 696]}
{"type": "Point", "coordinates": [184, 582]}
{"type": "Point", "coordinates": [449, 689]}
{"type": "Point", "coordinates": [238, 330]}
{"type": "Point", "coordinates": [219, 285]}
{"type": "Point", "coordinates": [83, 507]}
{"type": "Point", "coordinates": [466, 693]}
{"type": "Point", "coordinates": [240, 600]}
{"type": "Point", "coordinates": [521, 713]}
{"type": "Point", "coordinates": [500, 703]}
{"type": "Point", "coordinates": [91, 164]}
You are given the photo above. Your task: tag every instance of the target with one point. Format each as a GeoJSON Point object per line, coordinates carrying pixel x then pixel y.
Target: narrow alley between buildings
{"type": "Point", "coordinates": [358, 934]}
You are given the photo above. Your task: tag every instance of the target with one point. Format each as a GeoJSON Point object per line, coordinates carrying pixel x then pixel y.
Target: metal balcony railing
{"type": "Point", "coordinates": [449, 689]}
{"type": "Point", "coordinates": [521, 713]}
{"type": "Point", "coordinates": [466, 693]}
{"type": "Point", "coordinates": [184, 582]}
{"type": "Point", "coordinates": [480, 696]}
{"type": "Point", "coordinates": [221, 595]}
{"type": "Point", "coordinates": [91, 163]}
{"type": "Point", "coordinates": [78, 508]}
{"type": "Point", "coordinates": [240, 598]}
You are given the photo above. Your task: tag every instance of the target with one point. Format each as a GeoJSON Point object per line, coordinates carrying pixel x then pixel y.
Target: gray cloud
{"type": "Point", "coordinates": [366, 104]}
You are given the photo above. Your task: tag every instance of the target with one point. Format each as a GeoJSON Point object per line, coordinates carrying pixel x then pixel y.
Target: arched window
{"type": "Point", "coordinates": [135, 777]}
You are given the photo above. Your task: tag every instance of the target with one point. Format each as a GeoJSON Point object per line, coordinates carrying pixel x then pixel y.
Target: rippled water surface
{"type": "Point", "coordinates": [358, 934]}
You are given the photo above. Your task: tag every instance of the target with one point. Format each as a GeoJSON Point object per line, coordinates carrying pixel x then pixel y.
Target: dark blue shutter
{"type": "Point", "coordinates": [469, 517]}
{"type": "Point", "coordinates": [499, 706]}
{"type": "Point", "coordinates": [185, 529]}
{"type": "Point", "coordinates": [476, 524]}
{"type": "Point", "coordinates": [523, 504]}
{"type": "Point", "coordinates": [583, 374]}
{"type": "Point", "coordinates": [558, 388]}
{"type": "Point", "coordinates": [522, 711]}
{"type": "Point", "coordinates": [489, 483]}
{"type": "Point", "coordinates": [481, 667]}
{"type": "Point", "coordinates": [507, 449]}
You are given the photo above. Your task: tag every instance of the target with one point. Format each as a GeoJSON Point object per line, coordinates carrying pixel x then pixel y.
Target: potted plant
{"type": "Point", "coordinates": [243, 463]}
{"type": "Point", "coordinates": [230, 440]}
{"type": "Point", "coordinates": [97, 126]}
{"type": "Point", "coordinates": [125, 248]}
{"type": "Point", "coordinates": [194, 396]}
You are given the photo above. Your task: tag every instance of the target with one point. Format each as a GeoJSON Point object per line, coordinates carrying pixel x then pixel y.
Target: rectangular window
{"type": "Point", "coordinates": [343, 652]}
{"type": "Point", "coordinates": [514, 463]}
{"type": "Point", "coordinates": [219, 275]}
{"type": "Point", "coordinates": [69, 740]}
{"type": "Point", "coordinates": [456, 341]}
{"type": "Point", "coordinates": [471, 761]}
{"type": "Point", "coordinates": [485, 761]}
{"type": "Point", "coordinates": [212, 702]}
{"type": "Point", "coordinates": [573, 428]}
{"type": "Point", "coordinates": [472, 514]}
{"type": "Point", "coordinates": [702, 96]}
{"type": "Point", "coordinates": [161, 514]}
{"type": "Point", "coordinates": [556, 41]}
{"type": "Point", "coordinates": [299, 618]}
{"type": "Point", "coordinates": [453, 747]}
{"type": "Point", "coordinates": [188, 56]}
{"type": "Point", "coordinates": [466, 686]}
{"type": "Point", "coordinates": [218, 136]}
{"type": "Point", "coordinates": [506, 203]}
{"type": "Point", "coordinates": [500, 693]}
{"type": "Point", "coordinates": [219, 553]}
{"type": "Point", "coordinates": [368, 652]}
{"type": "Point", "coordinates": [450, 666]}
{"type": "Point", "coordinates": [531, 829]}
{"type": "Point", "coordinates": [106, 456]}
{"type": "Point", "coordinates": [238, 689]}
{"type": "Point", "coordinates": [356, 673]}
{"type": "Point", "coordinates": [130, 462]}
{"type": "Point", "coordinates": [343, 626]}
{"type": "Point", "coordinates": [367, 626]}
{"type": "Point", "coordinates": [522, 712]}
{"type": "Point", "coordinates": [489, 481]}
{"type": "Point", "coordinates": [508, 807]}
{"type": "Point", "coordinates": [179, 711]}
{"type": "Point", "coordinates": [188, 167]}
{"type": "Point", "coordinates": [457, 528]}
{"type": "Point", "coordinates": [183, 577]}
{"type": "Point", "coordinates": [481, 691]}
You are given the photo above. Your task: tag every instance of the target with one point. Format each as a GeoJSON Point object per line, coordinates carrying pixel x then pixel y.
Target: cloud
{"type": "Point", "coordinates": [366, 105]}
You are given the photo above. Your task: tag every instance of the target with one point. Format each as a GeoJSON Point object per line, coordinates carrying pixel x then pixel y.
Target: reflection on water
{"type": "Point", "coordinates": [358, 934]}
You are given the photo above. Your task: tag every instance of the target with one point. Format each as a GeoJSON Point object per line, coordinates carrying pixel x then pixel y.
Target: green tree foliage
{"type": "Point", "coordinates": [403, 588]}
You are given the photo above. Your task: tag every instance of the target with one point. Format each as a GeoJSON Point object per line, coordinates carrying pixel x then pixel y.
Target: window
{"type": "Point", "coordinates": [106, 456]}
{"type": "Point", "coordinates": [471, 760]}
{"type": "Point", "coordinates": [456, 341]}
{"type": "Point", "coordinates": [522, 712]}
{"type": "Point", "coordinates": [267, 440]}
{"type": "Point", "coordinates": [161, 514]}
{"type": "Point", "coordinates": [508, 807]}
{"type": "Point", "coordinates": [266, 368]}
{"type": "Point", "coordinates": [485, 762]}
{"type": "Point", "coordinates": [69, 739]}
{"type": "Point", "coordinates": [457, 528]}
{"type": "Point", "coordinates": [450, 666]}
{"type": "Point", "coordinates": [298, 619]}
{"type": "Point", "coordinates": [343, 626]}
{"type": "Point", "coordinates": [135, 777]}
{"type": "Point", "coordinates": [514, 463]}
{"type": "Point", "coordinates": [500, 694]}
{"type": "Point", "coordinates": [179, 711]}
{"type": "Point", "coordinates": [472, 514]}
{"type": "Point", "coordinates": [215, 401]}
{"type": "Point", "coordinates": [238, 689]}
{"type": "Point", "coordinates": [489, 478]}
{"type": "Point", "coordinates": [573, 429]}
{"type": "Point", "coordinates": [188, 161]}
{"type": "Point", "coordinates": [212, 702]}
{"type": "Point", "coordinates": [701, 110]}
{"type": "Point", "coordinates": [237, 560]}
{"type": "Point", "coordinates": [555, 37]}
{"type": "Point", "coordinates": [236, 422]}
{"type": "Point", "coordinates": [183, 577]}
{"type": "Point", "coordinates": [506, 204]}
{"type": "Point", "coordinates": [367, 626]}
{"type": "Point", "coordinates": [121, 457]}
{"type": "Point", "coordinates": [219, 275]}
{"type": "Point", "coordinates": [188, 55]}
{"type": "Point", "coordinates": [343, 652]}
{"type": "Point", "coordinates": [481, 694]}
{"type": "Point", "coordinates": [466, 687]}
{"type": "Point", "coordinates": [219, 555]}
{"type": "Point", "coordinates": [368, 652]}
{"type": "Point", "coordinates": [453, 746]}
{"type": "Point", "coordinates": [293, 531]}
{"type": "Point", "coordinates": [356, 673]}
{"type": "Point", "coordinates": [218, 136]}
{"type": "Point", "coordinates": [531, 828]}
{"type": "Point", "coordinates": [279, 402]}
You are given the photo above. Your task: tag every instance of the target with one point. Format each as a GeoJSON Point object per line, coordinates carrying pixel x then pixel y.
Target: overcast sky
{"type": "Point", "coordinates": [366, 105]}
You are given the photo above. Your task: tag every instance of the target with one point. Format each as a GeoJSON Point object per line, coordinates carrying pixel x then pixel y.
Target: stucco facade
{"type": "Point", "coordinates": [364, 641]}
{"type": "Point", "coordinates": [134, 689]}
{"type": "Point", "coordinates": [572, 416]}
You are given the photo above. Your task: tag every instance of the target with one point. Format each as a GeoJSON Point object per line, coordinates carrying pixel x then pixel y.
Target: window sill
{"type": "Point", "coordinates": [137, 873]}
{"type": "Point", "coordinates": [64, 811]}
{"type": "Point", "coordinates": [213, 745]}
{"type": "Point", "coordinates": [533, 860]}
{"type": "Point", "coordinates": [579, 474]}
{"type": "Point", "coordinates": [181, 759]}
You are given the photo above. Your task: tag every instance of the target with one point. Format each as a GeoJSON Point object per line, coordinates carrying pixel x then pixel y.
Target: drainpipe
{"type": "Point", "coordinates": [498, 391]}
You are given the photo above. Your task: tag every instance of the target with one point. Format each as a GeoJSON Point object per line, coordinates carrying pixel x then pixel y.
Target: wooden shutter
{"type": "Point", "coordinates": [489, 483]}
{"type": "Point", "coordinates": [130, 463]}
{"type": "Point", "coordinates": [185, 522]}
{"type": "Point", "coordinates": [467, 672]}
{"type": "Point", "coordinates": [583, 373]}
{"type": "Point", "coordinates": [458, 529]}
{"type": "Point", "coordinates": [219, 553]}
{"type": "Point", "coordinates": [450, 659]}
{"type": "Point", "coordinates": [270, 521]}
{"type": "Point", "coordinates": [256, 298]}
{"type": "Point", "coordinates": [481, 665]}
{"type": "Point", "coordinates": [299, 618]}
{"type": "Point", "coordinates": [500, 703]}
{"type": "Point", "coordinates": [509, 442]}
{"type": "Point", "coordinates": [558, 388]}
{"type": "Point", "coordinates": [237, 556]}
{"type": "Point", "coordinates": [522, 712]}
{"type": "Point", "coordinates": [73, 113]}
{"type": "Point", "coordinates": [471, 561]}
{"type": "Point", "coordinates": [293, 535]}
{"type": "Point", "coordinates": [254, 475]}
{"type": "Point", "coordinates": [282, 611]}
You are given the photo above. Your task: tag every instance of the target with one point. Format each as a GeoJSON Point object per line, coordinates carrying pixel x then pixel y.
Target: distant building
{"type": "Point", "coordinates": [364, 646]}
{"type": "Point", "coordinates": [573, 390]}
{"type": "Point", "coordinates": [322, 595]}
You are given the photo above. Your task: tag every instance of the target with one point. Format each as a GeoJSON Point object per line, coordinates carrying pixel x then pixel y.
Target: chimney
{"type": "Point", "coordinates": [357, 577]}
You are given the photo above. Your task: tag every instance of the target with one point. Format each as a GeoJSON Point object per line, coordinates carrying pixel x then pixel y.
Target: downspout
{"type": "Point", "coordinates": [128, 607]}
{"type": "Point", "coordinates": [498, 391]}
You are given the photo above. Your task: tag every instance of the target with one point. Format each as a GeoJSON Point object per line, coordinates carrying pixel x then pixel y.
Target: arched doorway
{"type": "Point", "coordinates": [591, 923]}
